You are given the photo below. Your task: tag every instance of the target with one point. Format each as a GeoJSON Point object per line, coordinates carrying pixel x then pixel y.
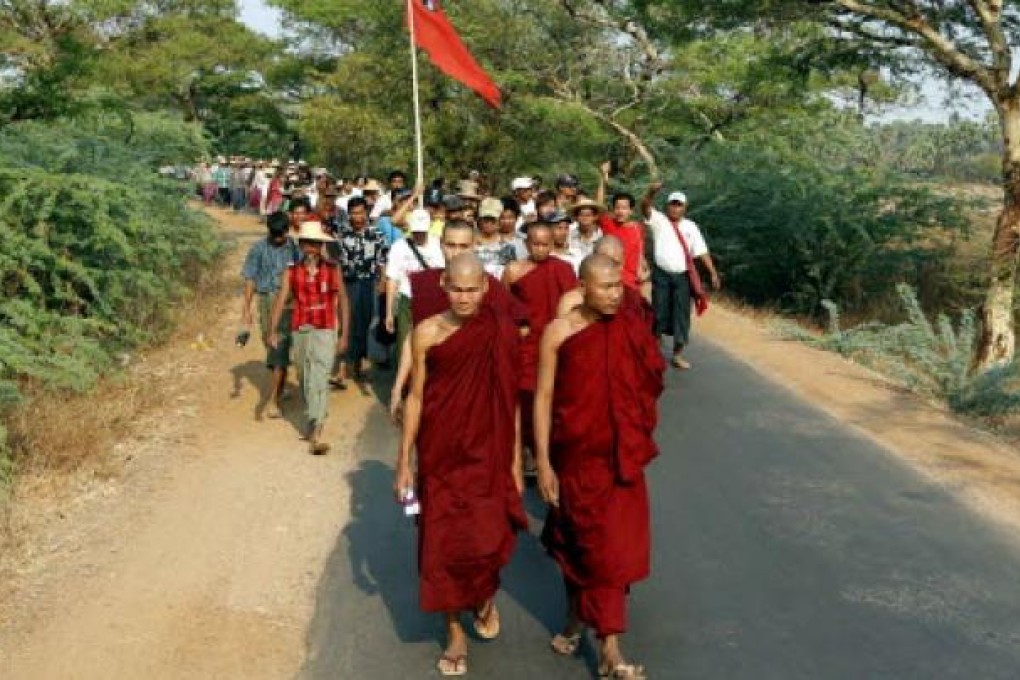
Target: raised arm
{"type": "Point", "coordinates": [648, 200]}
{"type": "Point", "coordinates": [600, 192]}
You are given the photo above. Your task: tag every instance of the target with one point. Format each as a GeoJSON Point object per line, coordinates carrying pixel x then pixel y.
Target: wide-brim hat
{"type": "Point", "coordinates": [585, 203]}
{"type": "Point", "coordinates": [468, 190]}
{"type": "Point", "coordinates": [313, 230]}
{"type": "Point", "coordinates": [372, 185]}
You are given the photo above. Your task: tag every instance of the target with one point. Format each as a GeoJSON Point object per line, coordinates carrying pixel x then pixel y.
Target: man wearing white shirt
{"type": "Point", "coordinates": [420, 250]}
{"type": "Point", "coordinates": [679, 243]}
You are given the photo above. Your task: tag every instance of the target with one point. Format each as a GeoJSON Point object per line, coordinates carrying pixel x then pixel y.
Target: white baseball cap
{"type": "Point", "coordinates": [522, 183]}
{"type": "Point", "coordinates": [677, 197]}
{"type": "Point", "coordinates": [420, 221]}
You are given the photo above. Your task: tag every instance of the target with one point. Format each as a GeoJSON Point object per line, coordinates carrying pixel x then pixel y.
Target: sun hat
{"type": "Point", "coordinates": [419, 221]}
{"type": "Point", "coordinates": [522, 183]}
{"type": "Point", "coordinates": [677, 197]}
{"type": "Point", "coordinates": [468, 190]}
{"type": "Point", "coordinates": [491, 207]}
{"type": "Point", "coordinates": [372, 185]}
{"type": "Point", "coordinates": [312, 231]}
{"type": "Point", "coordinates": [585, 203]}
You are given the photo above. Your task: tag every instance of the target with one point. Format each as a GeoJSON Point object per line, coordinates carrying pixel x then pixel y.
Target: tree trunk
{"type": "Point", "coordinates": [998, 337]}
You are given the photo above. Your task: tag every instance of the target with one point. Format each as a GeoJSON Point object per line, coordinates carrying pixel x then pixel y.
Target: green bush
{"type": "Point", "coordinates": [791, 228]}
{"type": "Point", "coordinates": [97, 247]}
{"type": "Point", "coordinates": [935, 360]}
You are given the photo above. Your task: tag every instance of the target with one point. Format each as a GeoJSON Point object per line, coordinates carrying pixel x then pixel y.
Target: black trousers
{"type": "Point", "coordinates": [671, 299]}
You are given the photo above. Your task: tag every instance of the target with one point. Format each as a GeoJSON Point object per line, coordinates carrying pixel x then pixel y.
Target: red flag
{"type": "Point", "coordinates": [434, 33]}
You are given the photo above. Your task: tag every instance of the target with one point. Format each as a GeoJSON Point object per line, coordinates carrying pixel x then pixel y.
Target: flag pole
{"type": "Point", "coordinates": [417, 102]}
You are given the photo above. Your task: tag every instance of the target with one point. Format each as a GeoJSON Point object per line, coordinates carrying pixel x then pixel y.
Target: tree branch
{"type": "Point", "coordinates": [943, 50]}
{"type": "Point", "coordinates": [1002, 57]}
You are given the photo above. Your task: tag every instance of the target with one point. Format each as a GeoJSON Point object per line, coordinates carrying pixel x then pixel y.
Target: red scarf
{"type": "Point", "coordinates": [693, 275]}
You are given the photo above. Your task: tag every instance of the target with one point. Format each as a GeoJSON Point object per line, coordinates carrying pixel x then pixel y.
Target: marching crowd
{"type": "Point", "coordinates": [525, 333]}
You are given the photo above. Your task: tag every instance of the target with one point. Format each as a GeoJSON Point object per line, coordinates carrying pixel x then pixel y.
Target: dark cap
{"type": "Point", "coordinates": [556, 218]}
{"type": "Point", "coordinates": [453, 202]}
{"type": "Point", "coordinates": [567, 181]}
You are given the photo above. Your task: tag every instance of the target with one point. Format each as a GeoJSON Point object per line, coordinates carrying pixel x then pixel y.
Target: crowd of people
{"type": "Point", "coordinates": [525, 333]}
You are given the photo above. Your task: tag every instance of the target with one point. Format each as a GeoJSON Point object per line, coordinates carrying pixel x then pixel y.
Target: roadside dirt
{"type": "Point", "coordinates": [198, 557]}
{"type": "Point", "coordinates": [978, 467]}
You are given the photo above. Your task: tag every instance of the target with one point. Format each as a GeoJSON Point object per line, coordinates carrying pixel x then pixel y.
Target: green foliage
{"type": "Point", "coordinates": [795, 220]}
{"type": "Point", "coordinates": [932, 359]}
{"type": "Point", "coordinates": [96, 249]}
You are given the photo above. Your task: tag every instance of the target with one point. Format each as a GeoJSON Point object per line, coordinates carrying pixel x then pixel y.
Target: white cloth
{"type": "Point", "coordinates": [669, 254]}
{"type": "Point", "coordinates": [401, 261]}
{"type": "Point", "coordinates": [383, 204]}
{"type": "Point", "coordinates": [581, 246]}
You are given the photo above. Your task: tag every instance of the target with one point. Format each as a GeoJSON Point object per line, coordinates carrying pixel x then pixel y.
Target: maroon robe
{"type": "Point", "coordinates": [428, 297]}
{"type": "Point", "coordinates": [540, 291]}
{"type": "Point", "coordinates": [470, 506]}
{"type": "Point", "coordinates": [609, 376]}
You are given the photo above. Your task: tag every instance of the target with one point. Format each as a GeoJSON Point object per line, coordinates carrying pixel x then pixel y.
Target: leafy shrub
{"type": "Point", "coordinates": [97, 247]}
{"type": "Point", "coordinates": [799, 217]}
{"type": "Point", "coordinates": [935, 360]}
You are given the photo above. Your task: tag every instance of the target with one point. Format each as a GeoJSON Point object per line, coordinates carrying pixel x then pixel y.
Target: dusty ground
{"type": "Point", "coordinates": [196, 557]}
{"type": "Point", "coordinates": [199, 556]}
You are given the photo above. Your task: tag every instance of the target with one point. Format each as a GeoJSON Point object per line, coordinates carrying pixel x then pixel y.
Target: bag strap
{"type": "Point", "coordinates": [417, 254]}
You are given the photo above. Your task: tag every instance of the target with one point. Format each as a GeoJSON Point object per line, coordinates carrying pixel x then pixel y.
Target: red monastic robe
{"type": "Point", "coordinates": [428, 297]}
{"type": "Point", "coordinates": [540, 290]}
{"type": "Point", "coordinates": [470, 507]}
{"type": "Point", "coordinates": [608, 378]}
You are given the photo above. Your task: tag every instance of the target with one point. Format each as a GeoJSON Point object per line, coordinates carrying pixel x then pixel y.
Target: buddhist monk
{"type": "Point", "coordinates": [468, 477]}
{"type": "Point", "coordinates": [428, 298]}
{"type": "Point", "coordinates": [538, 282]}
{"type": "Point", "coordinates": [600, 375]}
{"type": "Point", "coordinates": [611, 247]}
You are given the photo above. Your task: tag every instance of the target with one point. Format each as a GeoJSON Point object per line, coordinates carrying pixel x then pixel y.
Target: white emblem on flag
{"type": "Point", "coordinates": [430, 5]}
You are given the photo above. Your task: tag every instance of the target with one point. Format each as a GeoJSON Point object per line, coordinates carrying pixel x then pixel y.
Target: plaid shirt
{"type": "Point", "coordinates": [315, 297]}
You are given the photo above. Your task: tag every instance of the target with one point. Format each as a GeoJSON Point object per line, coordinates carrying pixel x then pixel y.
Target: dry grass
{"type": "Point", "coordinates": [56, 440]}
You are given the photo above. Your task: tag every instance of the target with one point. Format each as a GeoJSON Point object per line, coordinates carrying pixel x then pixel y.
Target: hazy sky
{"type": "Point", "coordinates": [935, 107]}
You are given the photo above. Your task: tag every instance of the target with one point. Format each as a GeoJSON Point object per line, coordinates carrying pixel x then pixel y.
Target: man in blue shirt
{"type": "Point", "coordinates": [264, 267]}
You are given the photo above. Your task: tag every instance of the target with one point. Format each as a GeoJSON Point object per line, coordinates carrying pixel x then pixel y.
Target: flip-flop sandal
{"type": "Point", "coordinates": [623, 671]}
{"type": "Point", "coordinates": [318, 448]}
{"type": "Point", "coordinates": [450, 666]}
{"type": "Point", "coordinates": [275, 412]}
{"type": "Point", "coordinates": [566, 645]}
{"type": "Point", "coordinates": [487, 627]}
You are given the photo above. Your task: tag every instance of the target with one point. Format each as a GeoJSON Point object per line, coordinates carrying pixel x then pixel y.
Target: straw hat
{"type": "Point", "coordinates": [468, 190]}
{"type": "Point", "coordinates": [585, 203]}
{"type": "Point", "coordinates": [312, 231]}
{"type": "Point", "coordinates": [372, 185]}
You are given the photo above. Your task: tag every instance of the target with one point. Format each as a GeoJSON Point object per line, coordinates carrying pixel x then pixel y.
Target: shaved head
{"type": "Point", "coordinates": [458, 226]}
{"type": "Point", "coordinates": [465, 267]}
{"type": "Point", "coordinates": [465, 283]}
{"type": "Point", "coordinates": [611, 247]}
{"type": "Point", "coordinates": [537, 230]}
{"type": "Point", "coordinates": [595, 265]}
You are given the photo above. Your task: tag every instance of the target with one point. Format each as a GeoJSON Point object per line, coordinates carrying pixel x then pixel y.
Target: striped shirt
{"type": "Point", "coordinates": [315, 297]}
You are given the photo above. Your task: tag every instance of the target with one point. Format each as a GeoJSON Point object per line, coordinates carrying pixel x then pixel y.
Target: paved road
{"type": "Point", "coordinates": [785, 547]}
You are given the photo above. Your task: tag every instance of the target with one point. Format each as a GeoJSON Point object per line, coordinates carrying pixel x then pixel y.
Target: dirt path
{"type": "Point", "coordinates": [200, 560]}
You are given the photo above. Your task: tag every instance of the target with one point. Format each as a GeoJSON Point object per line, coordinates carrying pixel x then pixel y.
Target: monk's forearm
{"type": "Point", "coordinates": [412, 419]}
{"type": "Point", "coordinates": [403, 368]}
{"type": "Point", "coordinates": [542, 417]}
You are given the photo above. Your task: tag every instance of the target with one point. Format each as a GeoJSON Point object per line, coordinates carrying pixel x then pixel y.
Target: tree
{"type": "Point", "coordinates": [971, 41]}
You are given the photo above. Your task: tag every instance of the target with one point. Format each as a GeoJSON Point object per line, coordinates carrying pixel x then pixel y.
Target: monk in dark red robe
{"type": "Point", "coordinates": [611, 247]}
{"type": "Point", "coordinates": [538, 282]}
{"type": "Point", "coordinates": [428, 298]}
{"type": "Point", "coordinates": [461, 415]}
{"type": "Point", "coordinates": [600, 376]}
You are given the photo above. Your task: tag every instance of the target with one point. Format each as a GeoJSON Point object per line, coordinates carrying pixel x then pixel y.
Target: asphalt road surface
{"type": "Point", "coordinates": [785, 546]}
